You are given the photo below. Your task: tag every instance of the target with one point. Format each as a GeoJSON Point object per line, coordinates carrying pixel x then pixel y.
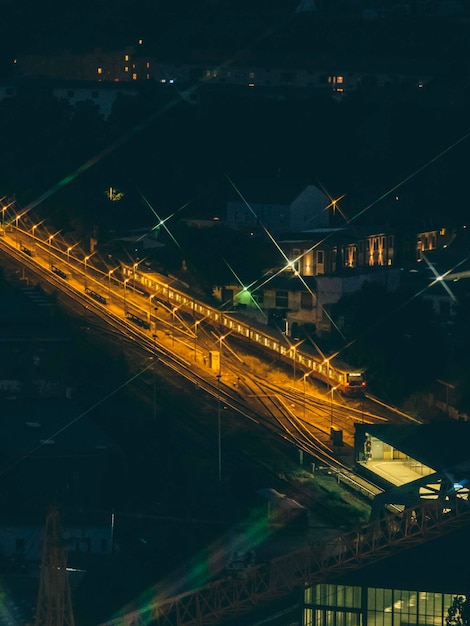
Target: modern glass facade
{"type": "Point", "coordinates": [341, 605]}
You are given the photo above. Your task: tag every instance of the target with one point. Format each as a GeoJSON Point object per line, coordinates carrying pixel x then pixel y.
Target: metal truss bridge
{"type": "Point", "coordinates": [228, 598]}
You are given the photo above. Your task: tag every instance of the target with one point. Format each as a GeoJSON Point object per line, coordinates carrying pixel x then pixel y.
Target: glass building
{"type": "Point", "coordinates": [345, 605]}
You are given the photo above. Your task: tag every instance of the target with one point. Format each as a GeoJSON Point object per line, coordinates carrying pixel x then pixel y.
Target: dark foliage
{"type": "Point", "coordinates": [394, 335]}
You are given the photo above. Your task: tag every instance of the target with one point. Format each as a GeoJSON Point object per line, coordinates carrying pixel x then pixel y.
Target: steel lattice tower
{"type": "Point", "coordinates": [54, 605]}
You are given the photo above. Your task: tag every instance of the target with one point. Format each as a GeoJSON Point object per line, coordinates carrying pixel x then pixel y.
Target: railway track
{"type": "Point", "coordinates": [302, 419]}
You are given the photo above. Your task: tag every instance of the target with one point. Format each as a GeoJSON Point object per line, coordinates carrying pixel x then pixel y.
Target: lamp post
{"type": "Point", "coordinates": [85, 265]}
{"type": "Point", "coordinates": [220, 340]}
{"type": "Point", "coordinates": [305, 394]}
{"type": "Point", "coordinates": [109, 280]}
{"type": "Point", "coordinates": [219, 437]}
{"type": "Point", "coordinates": [135, 266]}
{"type": "Point", "coordinates": [331, 407]}
{"type": "Point", "coordinates": [33, 231]}
{"type": "Point", "coordinates": [4, 208]}
{"type": "Point", "coordinates": [126, 280]}
{"type": "Point", "coordinates": [154, 337]}
{"type": "Point", "coordinates": [196, 324]}
{"type": "Point", "coordinates": [152, 295]}
{"type": "Point", "coordinates": [69, 250]}
{"type": "Point", "coordinates": [173, 311]}
{"type": "Point", "coordinates": [17, 220]}
{"type": "Point", "coordinates": [50, 238]}
{"type": "Point", "coordinates": [294, 349]}
{"type": "Point", "coordinates": [219, 425]}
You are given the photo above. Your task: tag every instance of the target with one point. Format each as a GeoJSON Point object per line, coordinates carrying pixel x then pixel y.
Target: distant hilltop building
{"type": "Point", "coordinates": [135, 65]}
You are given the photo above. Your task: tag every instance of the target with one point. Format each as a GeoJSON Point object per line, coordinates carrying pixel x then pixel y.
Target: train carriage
{"type": "Point", "coordinates": [338, 375]}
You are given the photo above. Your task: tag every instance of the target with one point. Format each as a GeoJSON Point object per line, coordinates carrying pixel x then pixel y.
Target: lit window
{"type": "Point", "coordinates": [339, 79]}
{"type": "Point", "coordinates": [134, 76]}
{"type": "Point", "coordinates": [100, 70]}
{"type": "Point", "coordinates": [126, 69]}
{"type": "Point", "coordinates": [126, 58]}
{"type": "Point", "coordinates": [148, 64]}
{"type": "Point", "coordinates": [140, 42]}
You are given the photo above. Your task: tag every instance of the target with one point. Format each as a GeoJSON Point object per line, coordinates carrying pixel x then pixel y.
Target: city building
{"type": "Point", "coordinates": [277, 206]}
{"type": "Point", "coordinates": [323, 265]}
{"type": "Point", "coordinates": [427, 583]}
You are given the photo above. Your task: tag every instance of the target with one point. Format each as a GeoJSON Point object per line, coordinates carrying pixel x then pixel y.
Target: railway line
{"type": "Point", "coordinates": [179, 344]}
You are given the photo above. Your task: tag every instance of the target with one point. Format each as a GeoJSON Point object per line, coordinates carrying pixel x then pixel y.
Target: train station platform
{"type": "Point", "coordinates": [396, 472]}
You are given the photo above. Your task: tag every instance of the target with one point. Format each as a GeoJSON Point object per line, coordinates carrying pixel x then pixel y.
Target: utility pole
{"type": "Point", "coordinates": [54, 605]}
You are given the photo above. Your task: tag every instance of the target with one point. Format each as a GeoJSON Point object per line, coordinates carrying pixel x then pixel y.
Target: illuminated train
{"type": "Point", "coordinates": [336, 374]}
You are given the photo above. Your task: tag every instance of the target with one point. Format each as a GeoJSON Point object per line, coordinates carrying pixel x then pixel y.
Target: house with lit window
{"type": "Point", "coordinates": [331, 250]}
{"type": "Point", "coordinates": [323, 265]}
{"type": "Point", "coordinates": [126, 65]}
{"type": "Point", "coordinates": [433, 239]}
{"type": "Point", "coordinates": [442, 270]}
{"type": "Point", "coordinates": [277, 206]}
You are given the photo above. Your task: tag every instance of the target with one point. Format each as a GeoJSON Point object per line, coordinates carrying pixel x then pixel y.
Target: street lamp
{"type": "Point", "coordinates": [219, 425]}
{"type": "Point", "coordinates": [331, 407]}
{"type": "Point", "coordinates": [85, 265]}
{"type": "Point", "coordinates": [135, 266]}
{"type": "Point", "coordinates": [152, 295]}
{"type": "Point", "coordinates": [196, 324]}
{"type": "Point", "coordinates": [293, 349]}
{"type": "Point", "coordinates": [4, 208]}
{"type": "Point", "coordinates": [154, 337]}
{"type": "Point", "coordinates": [69, 250]}
{"type": "Point", "coordinates": [50, 238]}
{"type": "Point", "coordinates": [126, 280]}
{"type": "Point", "coordinates": [109, 279]}
{"type": "Point", "coordinates": [17, 220]}
{"type": "Point", "coordinates": [220, 340]}
{"type": "Point", "coordinates": [219, 437]}
{"type": "Point", "coordinates": [173, 311]}
{"type": "Point", "coordinates": [33, 230]}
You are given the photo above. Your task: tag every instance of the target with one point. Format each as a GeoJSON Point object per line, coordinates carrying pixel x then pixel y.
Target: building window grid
{"type": "Point", "coordinates": [338, 605]}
